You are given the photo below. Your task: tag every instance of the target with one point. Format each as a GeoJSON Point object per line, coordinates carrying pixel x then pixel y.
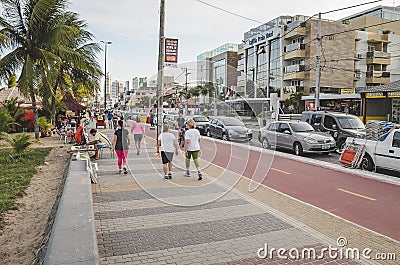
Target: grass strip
{"type": "Point", "coordinates": [16, 171]}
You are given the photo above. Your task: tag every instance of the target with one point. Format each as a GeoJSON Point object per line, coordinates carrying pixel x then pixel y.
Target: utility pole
{"type": "Point", "coordinates": [215, 91]}
{"type": "Point", "coordinates": [105, 72]}
{"type": "Point", "coordinates": [318, 81]}
{"type": "Point", "coordinates": [160, 65]}
{"type": "Point", "coordinates": [186, 91]}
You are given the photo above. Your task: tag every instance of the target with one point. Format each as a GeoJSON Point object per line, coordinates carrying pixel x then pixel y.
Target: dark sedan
{"type": "Point", "coordinates": [201, 122]}
{"type": "Point", "coordinates": [228, 129]}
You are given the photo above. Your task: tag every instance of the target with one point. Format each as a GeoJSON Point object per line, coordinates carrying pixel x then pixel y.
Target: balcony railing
{"type": "Point", "coordinates": [378, 54]}
{"type": "Point", "coordinates": [378, 74]}
{"type": "Point", "coordinates": [294, 24]}
{"type": "Point", "coordinates": [292, 89]}
{"type": "Point", "coordinates": [294, 68]}
{"type": "Point", "coordinates": [294, 46]}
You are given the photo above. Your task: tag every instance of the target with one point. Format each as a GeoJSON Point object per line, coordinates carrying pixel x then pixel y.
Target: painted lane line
{"type": "Point", "coordinates": [236, 157]}
{"type": "Point", "coordinates": [284, 172]}
{"type": "Point", "coordinates": [358, 195]}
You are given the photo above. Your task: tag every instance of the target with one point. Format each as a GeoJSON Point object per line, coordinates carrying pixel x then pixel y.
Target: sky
{"type": "Point", "coordinates": [133, 26]}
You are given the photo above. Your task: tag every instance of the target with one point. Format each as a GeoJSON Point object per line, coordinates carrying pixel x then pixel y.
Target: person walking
{"type": "Point", "coordinates": [109, 118]}
{"type": "Point", "coordinates": [121, 146]}
{"type": "Point", "coordinates": [192, 148]}
{"type": "Point", "coordinates": [138, 132]}
{"type": "Point", "coordinates": [167, 144]}
{"type": "Point", "coordinates": [115, 121]}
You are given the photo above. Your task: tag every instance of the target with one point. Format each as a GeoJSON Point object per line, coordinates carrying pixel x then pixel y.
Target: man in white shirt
{"type": "Point", "coordinates": [192, 148]}
{"type": "Point", "coordinates": [167, 144]}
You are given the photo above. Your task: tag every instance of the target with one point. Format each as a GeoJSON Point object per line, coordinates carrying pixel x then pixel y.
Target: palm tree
{"type": "Point", "coordinates": [36, 31]}
{"type": "Point", "coordinates": [295, 100]}
{"type": "Point", "coordinates": [78, 67]}
{"type": "Point", "coordinates": [204, 92]}
{"type": "Point", "coordinates": [195, 93]}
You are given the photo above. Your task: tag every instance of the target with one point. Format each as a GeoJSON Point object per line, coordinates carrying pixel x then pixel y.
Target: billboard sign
{"type": "Point", "coordinates": [171, 51]}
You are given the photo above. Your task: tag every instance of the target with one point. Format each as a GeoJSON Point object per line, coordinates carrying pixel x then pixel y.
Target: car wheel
{"type": "Point", "coordinates": [367, 163]}
{"type": "Point", "coordinates": [265, 144]}
{"type": "Point", "coordinates": [225, 137]}
{"type": "Point", "coordinates": [298, 149]}
{"type": "Point", "coordinates": [208, 133]}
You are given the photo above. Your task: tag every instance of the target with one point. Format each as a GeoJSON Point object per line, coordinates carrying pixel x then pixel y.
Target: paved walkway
{"type": "Point", "coordinates": [142, 219]}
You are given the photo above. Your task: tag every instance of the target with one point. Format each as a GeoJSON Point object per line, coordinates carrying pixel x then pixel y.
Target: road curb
{"type": "Point", "coordinates": [73, 235]}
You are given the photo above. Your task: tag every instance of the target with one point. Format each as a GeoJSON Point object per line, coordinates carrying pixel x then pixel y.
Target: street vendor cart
{"type": "Point", "coordinates": [100, 121]}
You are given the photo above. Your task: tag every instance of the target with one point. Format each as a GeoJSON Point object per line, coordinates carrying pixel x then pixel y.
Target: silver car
{"type": "Point", "coordinates": [297, 136]}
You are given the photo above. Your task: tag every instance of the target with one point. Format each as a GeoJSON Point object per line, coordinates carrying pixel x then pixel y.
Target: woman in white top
{"type": "Point", "coordinates": [192, 147]}
{"type": "Point", "coordinates": [167, 144]}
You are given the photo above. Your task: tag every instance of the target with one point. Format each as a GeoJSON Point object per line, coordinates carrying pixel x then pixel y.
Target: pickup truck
{"type": "Point", "coordinates": [380, 154]}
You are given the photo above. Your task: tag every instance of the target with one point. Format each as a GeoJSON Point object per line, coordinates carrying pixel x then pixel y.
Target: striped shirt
{"type": "Point", "coordinates": [101, 137]}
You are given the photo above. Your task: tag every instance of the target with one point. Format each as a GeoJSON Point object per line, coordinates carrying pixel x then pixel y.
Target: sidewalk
{"type": "Point", "coordinates": [142, 219]}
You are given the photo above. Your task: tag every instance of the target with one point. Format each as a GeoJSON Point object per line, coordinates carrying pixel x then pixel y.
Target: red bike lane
{"type": "Point", "coordinates": [366, 202]}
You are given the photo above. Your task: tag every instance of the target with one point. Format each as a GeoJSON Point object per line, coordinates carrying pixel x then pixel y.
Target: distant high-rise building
{"type": "Point", "coordinates": [115, 89]}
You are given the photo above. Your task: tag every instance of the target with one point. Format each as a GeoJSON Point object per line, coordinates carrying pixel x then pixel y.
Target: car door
{"type": "Point", "coordinates": [271, 133]}
{"type": "Point", "coordinates": [284, 139]}
{"type": "Point", "coordinates": [331, 126]}
{"type": "Point", "coordinates": [316, 121]}
{"type": "Point", "coordinates": [219, 129]}
{"type": "Point", "coordinates": [388, 152]}
{"type": "Point", "coordinates": [211, 126]}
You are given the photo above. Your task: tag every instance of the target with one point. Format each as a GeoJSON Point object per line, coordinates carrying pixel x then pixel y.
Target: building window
{"type": "Point", "coordinates": [275, 66]}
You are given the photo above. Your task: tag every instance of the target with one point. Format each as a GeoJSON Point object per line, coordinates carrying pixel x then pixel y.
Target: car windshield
{"type": "Point", "coordinates": [350, 123]}
{"type": "Point", "coordinates": [232, 122]}
{"type": "Point", "coordinates": [200, 119]}
{"type": "Point", "coordinates": [301, 127]}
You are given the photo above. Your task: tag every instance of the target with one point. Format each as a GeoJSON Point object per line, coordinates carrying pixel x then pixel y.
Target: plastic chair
{"type": "Point", "coordinates": [101, 149]}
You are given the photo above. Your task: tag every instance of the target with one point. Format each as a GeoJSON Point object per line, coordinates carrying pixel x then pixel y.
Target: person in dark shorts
{"type": "Point", "coordinates": [121, 146]}
{"type": "Point", "coordinates": [167, 144]}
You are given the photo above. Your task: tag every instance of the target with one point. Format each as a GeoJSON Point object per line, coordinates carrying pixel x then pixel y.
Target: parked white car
{"type": "Point", "coordinates": [380, 154]}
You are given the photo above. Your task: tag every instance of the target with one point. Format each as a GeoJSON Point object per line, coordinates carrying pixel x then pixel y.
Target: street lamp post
{"type": "Point", "coordinates": [105, 71]}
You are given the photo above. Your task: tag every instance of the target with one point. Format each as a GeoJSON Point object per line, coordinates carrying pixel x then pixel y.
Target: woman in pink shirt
{"type": "Point", "coordinates": [138, 132]}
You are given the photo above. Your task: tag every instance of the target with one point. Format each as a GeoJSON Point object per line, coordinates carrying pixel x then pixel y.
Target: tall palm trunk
{"type": "Point", "coordinates": [53, 102]}
{"type": "Point", "coordinates": [35, 113]}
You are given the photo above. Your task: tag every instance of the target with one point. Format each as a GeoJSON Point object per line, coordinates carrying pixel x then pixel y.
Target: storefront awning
{"type": "Point", "coordinates": [332, 96]}
{"type": "Point", "coordinates": [71, 103]}
{"type": "Point", "coordinates": [391, 87]}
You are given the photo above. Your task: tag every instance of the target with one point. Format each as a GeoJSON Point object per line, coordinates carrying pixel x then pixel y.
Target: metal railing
{"type": "Point", "coordinates": [294, 68]}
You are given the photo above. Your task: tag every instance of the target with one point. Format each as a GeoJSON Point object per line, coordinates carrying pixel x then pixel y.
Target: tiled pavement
{"type": "Point", "coordinates": [141, 219]}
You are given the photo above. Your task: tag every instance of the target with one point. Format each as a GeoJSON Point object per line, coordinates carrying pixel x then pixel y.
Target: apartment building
{"type": "Point", "coordinates": [219, 67]}
{"type": "Point", "coordinates": [280, 57]}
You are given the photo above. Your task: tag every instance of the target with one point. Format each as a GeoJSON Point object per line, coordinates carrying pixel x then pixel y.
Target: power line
{"type": "Point", "coordinates": [360, 28]}
{"type": "Point", "coordinates": [227, 11]}
{"type": "Point", "coordinates": [344, 8]}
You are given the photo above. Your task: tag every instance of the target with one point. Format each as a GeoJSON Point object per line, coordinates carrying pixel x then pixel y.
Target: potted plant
{"type": "Point", "coordinates": [45, 127]}
{"type": "Point", "coordinates": [263, 118]}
